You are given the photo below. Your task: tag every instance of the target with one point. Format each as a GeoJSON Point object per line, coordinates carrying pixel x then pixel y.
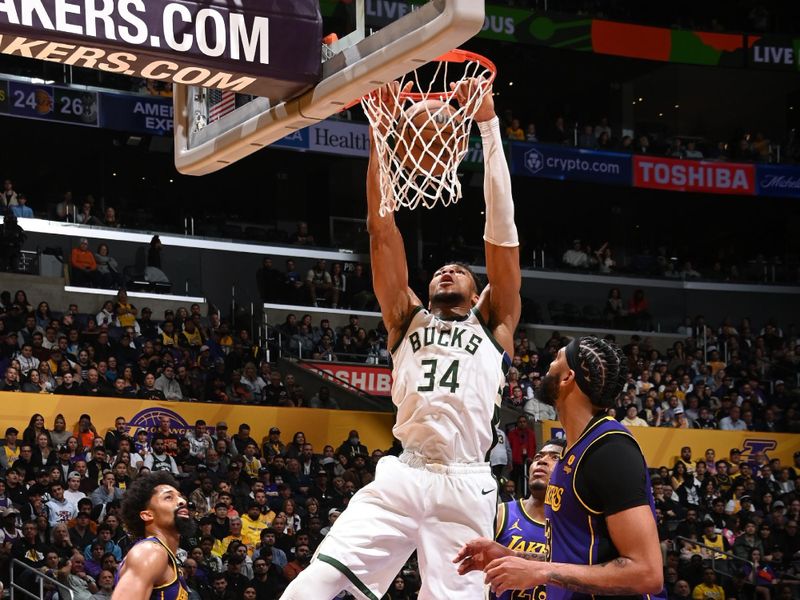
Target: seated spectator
{"type": "Point", "coordinates": [74, 576]}
{"type": "Point", "coordinates": [605, 259]}
{"type": "Point", "coordinates": [632, 418]}
{"type": "Point", "coordinates": [639, 311]}
{"type": "Point", "coordinates": [9, 196]}
{"type": "Point", "coordinates": [108, 268]}
{"type": "Point", "coordinates": [168, 385]}
{"type": "Point", "coordinates": [362, 296]}
{"type": "Point", "coordinates": [302, 237]}
{"type": "Point", "coordinates": [11, 239]}
{"type": "Point", "coordinates": [688, 272]}
{"type": "Point", "coordinates": [110, 218]}
{"type": "Point", "coordinates": [675, 149]}
{"type": "Point", "coordinates": [560, 135]}
{"type": "Point", "coordinates": [514, 131]}
{"type": "Point", "coordinates": [270, 281]}
{"type": "Point", "coordinates": [320, 285]}
{"type": "Point", "coordinates": [604, 142]}
{"type": "Point", "coordinates": [85, 216]}
{"type": "Point", "coordinates": [692, 151]}
{"type": "Point", "coordinates": [601, 128]}
{"type": "Point", "coordinates": [21, 210]}
{"type": "Point", "coordinates": [84, 265]}
{"type": "Point", "coordinates": [66, 210]}
{"type": "Point", "coordinates": [575, 257]}
{"type": "Point", "coordinates": [323, 399]}
{"type": "Point", "coordinates": [293, 284]}
{"type": "Point", "coordinates": [530, 133]}
{"type": "Point", "coordinates": [587, 139]}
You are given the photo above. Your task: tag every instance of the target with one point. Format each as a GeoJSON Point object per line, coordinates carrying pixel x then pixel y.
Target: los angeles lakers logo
{"type": "Point", "coordinates": [552, 497]}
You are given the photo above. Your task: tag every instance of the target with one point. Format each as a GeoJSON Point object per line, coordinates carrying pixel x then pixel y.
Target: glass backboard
{"type": "Point", "coordinates": [215, 128]}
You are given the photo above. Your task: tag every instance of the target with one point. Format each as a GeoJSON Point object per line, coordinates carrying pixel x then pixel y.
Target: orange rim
{"type": "Point", "coordinates": [454, 56]}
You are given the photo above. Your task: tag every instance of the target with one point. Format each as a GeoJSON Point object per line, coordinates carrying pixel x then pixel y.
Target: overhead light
{"type": "Point", "coordinates": [113, 174]}
{"type": "Point", "coordinates": [677, 106]}
{"type": "Point", "coordinates": [510, 83]}
{"type": "Point", "coordinates": [660, 114]}
{"type": "Point", "coordinates": [641, 99]}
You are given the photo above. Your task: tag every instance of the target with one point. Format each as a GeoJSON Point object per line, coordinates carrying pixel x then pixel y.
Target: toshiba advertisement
{"type": "Point", "coordinates": [694, 176]}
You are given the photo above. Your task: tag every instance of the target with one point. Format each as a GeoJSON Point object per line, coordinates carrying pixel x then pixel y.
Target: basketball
{"type": "Point", "coordinates": [429, 128]}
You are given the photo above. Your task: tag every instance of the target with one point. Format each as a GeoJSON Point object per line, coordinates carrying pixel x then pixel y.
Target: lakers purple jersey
{"type": "Point", "coordinates": [520, 532]}
{"type": "Point", "coordinates": [576, 533]}
{"type": "Point", "coordinates": [175, 589]}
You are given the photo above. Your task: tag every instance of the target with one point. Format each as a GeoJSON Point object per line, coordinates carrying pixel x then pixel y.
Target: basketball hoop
{"type": "Point", "coordinates": [420, 147]}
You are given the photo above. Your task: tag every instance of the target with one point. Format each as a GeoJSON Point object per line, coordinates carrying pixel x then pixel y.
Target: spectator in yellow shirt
{"type": "Point", "coordinates": [514, 131]}
{"type": "Point", "coordinates": [126, 312]}
{"type": "Point", "coordinates": [252, 526]}
{"type": "Point", "coordinates": [708, 589]}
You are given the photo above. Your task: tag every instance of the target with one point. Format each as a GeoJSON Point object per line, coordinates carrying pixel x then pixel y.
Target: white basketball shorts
{"type": "Point", "coordinates": [413, 505]}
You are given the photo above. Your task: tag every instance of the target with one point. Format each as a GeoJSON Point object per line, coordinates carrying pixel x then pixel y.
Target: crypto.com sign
{"type": "Point", "coordinates": [246, 46]}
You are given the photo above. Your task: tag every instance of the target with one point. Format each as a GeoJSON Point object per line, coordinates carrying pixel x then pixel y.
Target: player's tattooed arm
{"type": "Point", "coordinates": [581, 586]}
{"type": "Point", "coordinates": [535, 556]}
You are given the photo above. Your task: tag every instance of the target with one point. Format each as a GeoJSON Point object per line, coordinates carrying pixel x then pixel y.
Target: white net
{"type": "Point", "coordinates": [422, 137]}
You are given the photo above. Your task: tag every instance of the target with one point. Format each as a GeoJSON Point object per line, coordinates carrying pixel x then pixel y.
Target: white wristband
{"type": "Point", "coordinates": [500, 228]}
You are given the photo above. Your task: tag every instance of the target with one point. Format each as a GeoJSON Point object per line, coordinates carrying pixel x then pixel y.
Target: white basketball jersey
{"type": "Point", "coordinates": [448, 380]}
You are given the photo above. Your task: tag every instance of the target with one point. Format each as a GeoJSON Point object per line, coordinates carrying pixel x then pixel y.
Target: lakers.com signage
{"type": "Point", "coordinates": [320, 426]}
{"type": "Point", "coordinates": [248, 46]}
{"type": "Point", "coordinates": [662, 445]}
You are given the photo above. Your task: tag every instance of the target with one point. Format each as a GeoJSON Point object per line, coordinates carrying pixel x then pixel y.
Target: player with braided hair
{"type": "Point", "coordinates": [599, 510]}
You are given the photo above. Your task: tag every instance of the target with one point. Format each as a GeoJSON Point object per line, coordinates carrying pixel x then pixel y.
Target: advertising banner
{"type": "Point", "coordinates": [339, 137]}
{"type": "Point", "coordinates": [774, 52]}
{"type": "Point", "coordinates": [48, 103]}
{"type": "Point", "coordinates": [662, 445]}
{"type": "Point", "coordinates": [570, 164]}
{"type": "Point", "coordinates": [294, 141]}
{"type": "Point", "coordinates": [778, 180]}
{"type": "Point", "coordinates": [320, 426]}
{"type": "Point", "coordinates": [693, 175]}
{"type": "Point", "coordinates": [151, 115]}
{"type": "Point", "coordinates": [248, 46]}
{"type": "Point", "coordinates": [373, 380]}
{"type": "Point", "coordinates": [572, 32]}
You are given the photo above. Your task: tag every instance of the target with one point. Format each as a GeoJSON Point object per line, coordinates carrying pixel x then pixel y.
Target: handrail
{"type": "Point", "coordinates": [65, 593]}
{"type": "Point", "coordinates": [714, 552]}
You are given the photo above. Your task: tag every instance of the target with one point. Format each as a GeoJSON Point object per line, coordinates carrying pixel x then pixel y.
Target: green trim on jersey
{"type": "Point", "coordinates": [488, 331]}
{"type": "Point", "coordinates": [411, 316]}
{"type": "Point", "coordinates": [349, 574]}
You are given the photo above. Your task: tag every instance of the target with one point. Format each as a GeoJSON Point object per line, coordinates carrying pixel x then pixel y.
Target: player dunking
{"type": "Point", "coordinates": [599, 509]}
{"type": "Point", "coordinates": [155, 512]}
{"type": "Point", "coordinates": [449, 367]}
{"type": "Point", "coordinates": [520, 523]}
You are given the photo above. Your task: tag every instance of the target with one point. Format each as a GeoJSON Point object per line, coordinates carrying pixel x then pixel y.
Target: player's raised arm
{"type": "Point", "coordinates": [387, 253]}
{"type": "Point", "coordinates": [500, 234]}
{"type": "Point", "coordinates": [144, 564]}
